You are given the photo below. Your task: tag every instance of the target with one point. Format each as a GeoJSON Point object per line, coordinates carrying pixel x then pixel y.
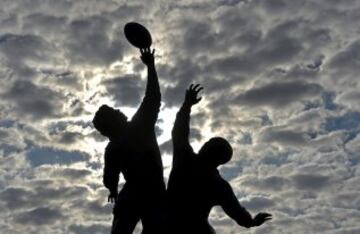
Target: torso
{"type": "Point", "coordinates": [192, 194]}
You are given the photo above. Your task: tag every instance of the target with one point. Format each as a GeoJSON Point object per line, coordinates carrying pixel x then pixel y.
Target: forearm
{"type": "Point", "coordinates": [153, 87]}
{"type": "Point", "coordinates": [111, 182]}
{"type": "Point", "coordinates": [232, 207]}
{"type": "Point", "coordinates": [243, 218]}
{"type": "Point", "coordinates": [181, 127]}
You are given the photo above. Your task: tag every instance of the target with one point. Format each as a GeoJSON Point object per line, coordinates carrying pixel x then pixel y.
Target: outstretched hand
{"type": "Point", "coordinates": [261, 218]}
{"type": "Point", "coordinates": [191, 96]}
{"type": "Point", "coordinates": [147, 56]}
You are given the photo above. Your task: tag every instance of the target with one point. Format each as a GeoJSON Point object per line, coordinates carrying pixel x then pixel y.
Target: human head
{"type": "Point", "coordinates": [109, 121]}
{"type": "Point", "coordinates": [216, 151]}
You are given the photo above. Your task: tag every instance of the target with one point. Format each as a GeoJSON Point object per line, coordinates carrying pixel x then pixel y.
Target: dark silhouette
{"type": "Point", "coordinates": [195, 185]}
{"type": "Point", "coordinates": [133, 151]}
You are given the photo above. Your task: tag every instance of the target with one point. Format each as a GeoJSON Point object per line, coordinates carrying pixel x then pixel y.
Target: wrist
{"type": "Point", "coordinates": [150, 65]}
{"type": "Point", "coordinates": [187, 104]}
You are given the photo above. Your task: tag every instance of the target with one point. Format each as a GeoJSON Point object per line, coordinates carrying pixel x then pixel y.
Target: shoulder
{"type": "Point", "coordinates": [220, 182]}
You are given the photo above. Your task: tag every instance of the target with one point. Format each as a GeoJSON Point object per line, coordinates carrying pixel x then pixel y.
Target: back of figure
{"type": "Point", "coordinates": [190, 198]}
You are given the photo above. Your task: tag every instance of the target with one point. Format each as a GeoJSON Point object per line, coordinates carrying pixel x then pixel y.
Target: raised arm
{"type": "Point", "coordinates": [148, 111]}
{"type": "Point", "coordinates": [234, 210]}
{"type": "Point", "coordinates": [181, 129]}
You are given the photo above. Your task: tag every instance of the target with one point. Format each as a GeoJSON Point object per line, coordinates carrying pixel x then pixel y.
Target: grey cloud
{"type": "Point", "coordinates": [271, 183]}
{"type": "Point", "coordinates": [15, 197]}
{"type": "Point", "coordinates": [177, 79]}
{"type": "Point", "coordinates": [166, 147]}
{"type": "Point", "coordinates": [40, 216]}
{"type": "Point", "coordinates": [20, 48]}
{"type": "Point", "coordinates": [72, 173]}
{"type": "Point", "coordinates": [89, 42]}
{"type": "Point", "coordinates": [274, 5]}
{"type": "Point", "coordinates": [258, 203]}
{"type": "Point", "coordinates": [64, 79]}
{"type": "Point", "coordinates": [347, 60]}
{"type": "Point", "coordinates": [278, 94]}
{"type": "Point", "coordinates": [350, 99]}
{"type": "Point", "coordinates": [195, 134]}
{"type": "Point", "coordinates": [97, 136]}
{"type": "Point", "coordinates": [310, 181]}
{"type": "Point", "coordinates": [89, 228]}
{"type": "Point", "coordinates": [44, 24]}
{"type": "Point", "coordinates": [126, 91]}
{"type": "Point", "coordinates": [282, 136]}
{"type": "Point", "coordinates": [70, 137]}
{"type": "Point", "coordinates": [279, 51]}
{"type": "Point", "coordinates": [34, 101]}
{"type": "Point", "coordinates": [51, 156]}
{"type": "Point", "coordinates": [198, 37]}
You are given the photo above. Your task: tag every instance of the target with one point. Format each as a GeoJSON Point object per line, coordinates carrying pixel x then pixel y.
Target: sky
{"type": "Point", "coordinates": [280, 83]}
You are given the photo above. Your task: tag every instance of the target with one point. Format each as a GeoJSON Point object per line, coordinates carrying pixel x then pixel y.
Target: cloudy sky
{"type": "Point", "coordinates": [281, 82]}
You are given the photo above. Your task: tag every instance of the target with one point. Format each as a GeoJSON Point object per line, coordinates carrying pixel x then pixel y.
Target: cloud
{"type": "Point", "coordinates": [278, 94]}
{"type": "Point", "coordinates": [25, 48]}
{"type": "Point", "coordinates": [257, 203]}
{"type": "Point", "coordinates": [90, 42]}
{"type": "Point", "coordinates": [310, 182]}
{"type": "Point", "coordinates": [40, 216]}
{"type": "Point", "coordinates": [34, 101]}
{"type": "Point", "coordinates": [41, 156]}
{"type": "Point", "coordinates": [89, 228]}
{"type": "Point", "coordinates": [127, 91]}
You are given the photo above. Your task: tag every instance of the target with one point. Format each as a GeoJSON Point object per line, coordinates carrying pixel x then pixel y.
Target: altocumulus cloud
{"type": "Point", "coordinates": [281, 83]}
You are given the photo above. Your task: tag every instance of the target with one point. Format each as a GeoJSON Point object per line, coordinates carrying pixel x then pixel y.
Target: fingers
{"type": "Point", "coordinates": [199, 89]}
{"type": "Point", "coordinates": [265, 216]}
{"type": "Point", "coordinates": [196, 88]}
{"type": "Point", "coordinates": [146, 51]}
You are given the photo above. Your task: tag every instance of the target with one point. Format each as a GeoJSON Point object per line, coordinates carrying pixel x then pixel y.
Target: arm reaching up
{"type": "Point", "coordinates": [148, 111]}
{"type": "Point", "coordinates": [181, 129]}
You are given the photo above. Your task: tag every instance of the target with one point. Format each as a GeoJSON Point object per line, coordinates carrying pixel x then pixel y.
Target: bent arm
{"type": "Point", "coordinates": [232, 207]}
{"type": "Point", "coordinates": [111, 173]}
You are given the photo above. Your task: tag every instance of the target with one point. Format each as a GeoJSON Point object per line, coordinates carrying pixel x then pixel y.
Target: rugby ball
{"type": "Point", "coordinates": [137, 35]}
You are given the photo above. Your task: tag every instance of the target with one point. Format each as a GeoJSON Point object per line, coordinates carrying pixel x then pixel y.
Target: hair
{"type": "Point", "coordinates": [217, 150]}
{"type": "Point", "coordinates": [103, 120]}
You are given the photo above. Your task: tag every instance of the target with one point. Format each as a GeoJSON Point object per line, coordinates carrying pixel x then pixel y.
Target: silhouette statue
{"type": "Point", "coordinates": [195, 185]}
{"type": "Point", "coordinates": [133, 151]}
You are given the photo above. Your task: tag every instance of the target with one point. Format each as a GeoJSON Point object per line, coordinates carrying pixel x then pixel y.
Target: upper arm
{"type": "Point", "coordinates": [147, 113]}
{"type": "Point", "coordinates": [111, 170]}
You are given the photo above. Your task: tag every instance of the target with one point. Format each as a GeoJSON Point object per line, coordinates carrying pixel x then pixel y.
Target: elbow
{"type": "Point", "coordinates": [247, 224]}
